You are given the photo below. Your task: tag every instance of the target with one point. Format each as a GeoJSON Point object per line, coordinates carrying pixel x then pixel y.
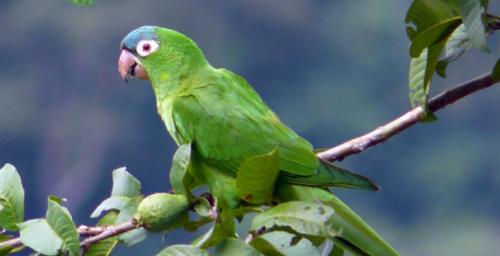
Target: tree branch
{"type": "Point", "coordinates": [109, 232]}
{"type": "Point", "coordinates": [382, 133]}
{"type": "Point", "coordinates": [14, 242]}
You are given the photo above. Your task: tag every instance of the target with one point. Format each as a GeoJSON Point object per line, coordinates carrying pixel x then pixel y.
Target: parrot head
{"type": "Point", "coordinates": [156, 53]}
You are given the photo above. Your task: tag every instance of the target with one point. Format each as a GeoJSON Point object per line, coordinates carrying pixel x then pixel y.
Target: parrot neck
{"type": "Point", "coordinates": [176, 71]}
{"type": "Point", "coordinates": [170, 82]}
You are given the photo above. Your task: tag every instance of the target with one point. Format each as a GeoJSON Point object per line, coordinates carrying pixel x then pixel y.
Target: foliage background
{"type": "Point", "coordinates": [332, 70]}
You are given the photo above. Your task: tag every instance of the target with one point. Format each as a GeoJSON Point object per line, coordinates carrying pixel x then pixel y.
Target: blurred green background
{"type": "Point", "coordinates": [332, 70]}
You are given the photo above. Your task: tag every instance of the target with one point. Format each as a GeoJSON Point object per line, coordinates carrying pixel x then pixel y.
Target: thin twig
{"type": "Point", "coordinates": [382, 133]}
{"type": "Point", "coordinates": [90, 231]}
{"type": "Point", "coordinates": [109, 232]}
{"type": "Point", "coordinates": [14, 242]}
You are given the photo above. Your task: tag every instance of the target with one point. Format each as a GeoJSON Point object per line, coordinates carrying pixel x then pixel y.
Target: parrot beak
{"type": "Point", "coordinates": [129, 66]}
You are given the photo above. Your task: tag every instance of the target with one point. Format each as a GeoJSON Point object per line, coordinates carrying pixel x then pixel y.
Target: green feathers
{"type": "Point", "coordinates": [222, 116]}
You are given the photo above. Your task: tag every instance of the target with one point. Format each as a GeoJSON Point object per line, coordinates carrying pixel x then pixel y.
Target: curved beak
{"type": "Point", "coordinates": [129, 66]}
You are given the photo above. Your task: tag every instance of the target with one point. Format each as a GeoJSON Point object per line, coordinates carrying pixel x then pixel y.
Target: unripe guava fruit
{"type": "Point", "coordinates": [162, 211]}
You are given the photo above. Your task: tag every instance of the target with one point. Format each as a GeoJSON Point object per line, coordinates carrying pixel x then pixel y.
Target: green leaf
{"type": "Point", "coordinates": [125, 197]}
{"type": "Point", "coordinates": [429, 25]}
{"type": "Point", "coordinates": [433, 35]}
{"type": "Point", "coordinates": [202, 207]}
{"type": "Point", "coordinates": [358, 234]}
{"type": "Point", "coordinates": [180, 177]}
{"type": "Point", "coordinates": [126, 188]}
{"type": "Point", "coordinates": [57, 232]}
{"type": "Point", "coordinates": [495, 74]}
{"type": "Point", "coordinates": [106, 246]}
{"type": "Point", "coordinates": [222, 228]}
{"type": "Point", "coordinates": [112, 203]}
{"type": "Point", "coordinates": [420, 76]}
{"type": "Point", "coordinates": [59, 219]}
{"type": "Point", "coordinates": [256, 177]}
{"type": "Point", "coordinates": [283, 243]}
{"type": "Point", "coordinates": [192, 226]}
{"type": "Point", "coordinates": [457, 44]}
{"type": "Point", "coordinates": [11, 198]}
{"type": "Point", "coordinates": [83, 2]}
{"type": "Point", "coordinates": [337, 251]}
{"type": "Point", "coordinates": [429, 22]}
{"type": "Point", "coordinates": [241, 211]}
{"type": "Point", "coordinates": [307, 218]}
{"type": "Point", "coordinates": [39, 236]}
{"type": "Point", "coordinates": [441, 68]}
{"type": "Point", "coordinates": [124, 184]}
{"type": "Point", "coordinates": [234, 246]}
{"type": "Point", "coordinates": [133, 236]}
{"type": "Point", "coordinates": [127, 207]}
{"type": "Point", "coordinates": [183, 250]}
{"type": "Point", "coordinates": [126, 214]}
{"type": "Point", "coordinates": [418, 87]}
{"type": "Point", "coordinates": [471, 11]}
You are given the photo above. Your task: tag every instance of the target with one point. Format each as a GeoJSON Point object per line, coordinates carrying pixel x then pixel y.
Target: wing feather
{"type": "Point", "coordinates": [228, 122]}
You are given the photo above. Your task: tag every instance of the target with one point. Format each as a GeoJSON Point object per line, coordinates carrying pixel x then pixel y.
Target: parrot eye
{"type": "Point", "coordinates": [146, 47]}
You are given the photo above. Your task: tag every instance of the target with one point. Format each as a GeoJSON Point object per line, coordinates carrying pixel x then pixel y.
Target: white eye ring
{"type": "Point", "coordinates": [146, 47]}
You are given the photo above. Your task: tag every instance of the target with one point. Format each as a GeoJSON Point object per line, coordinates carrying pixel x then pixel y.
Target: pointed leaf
{"type": "Point", "coordinates": [433, 35]}
{"type": "Point", "coordinates": [307, 218]}
{"type": "Point", "coordinates": [283, 243]}
{"type": "Point", "coordinates": [126, 214]}
{"type": "Point", "coordinates": [256, 177]}
{"type": "Point", "coordinates": [203, 207]}
{"type": "Point", "coordinates": [111, 203]}
{"type": "Point", "coordinates": [39, 236]}
{"type": "Point", "coordinates": [456, 45]}
{"type": "Point", "coordinates": [60, 221]}
{"type": "Point", "coordinates": [133, 236]}
{"type": "Point", "coordinates": [234, 246]}
{"type": "Point", "coordinates": [106, 246]}
{"type": "Point", "coordinates": [471, 11]}
{"type": "Point", "coordinates": [430, 22]}
{"type": "Point", "coordinates": [420, 76]}
{"type": "Point", "coordinates": [124, 184]}
{"type": "Point", "coordinates": [183, 250]}
{"type": "Point", "coordinates": [337, 251]}
{"type": "Point", "coordinates": [495, 74]}
{"type": "Point", "coordinates": [11, 198]}
{"type": "Point", "coordinates": [441, 68]}
{"type": "Point", "coordinates": [180, 178]}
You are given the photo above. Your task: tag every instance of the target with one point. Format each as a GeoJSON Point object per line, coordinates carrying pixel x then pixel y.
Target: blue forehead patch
{"type": "Point", "coordinates": [142, 33]}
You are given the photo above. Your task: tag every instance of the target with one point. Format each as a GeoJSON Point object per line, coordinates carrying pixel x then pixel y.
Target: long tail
{"type": "Point", "coordinates": [329, 175]}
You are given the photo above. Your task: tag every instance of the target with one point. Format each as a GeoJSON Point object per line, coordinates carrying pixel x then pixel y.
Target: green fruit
{"type": "Point", "coordinates": [162, 211]}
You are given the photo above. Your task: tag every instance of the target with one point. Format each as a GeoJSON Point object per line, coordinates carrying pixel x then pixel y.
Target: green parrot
{"type": "Point", "coordinates": [217, 111]}
{"type": "Point", "coordinates": [229, 129]}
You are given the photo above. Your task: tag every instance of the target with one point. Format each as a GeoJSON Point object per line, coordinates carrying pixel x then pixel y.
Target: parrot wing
{"type": "Point", "coordinates": [228, 123]}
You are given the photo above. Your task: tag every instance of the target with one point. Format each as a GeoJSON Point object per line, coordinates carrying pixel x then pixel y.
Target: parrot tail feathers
{"type": "Point", "coordinates": [329, 175]}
